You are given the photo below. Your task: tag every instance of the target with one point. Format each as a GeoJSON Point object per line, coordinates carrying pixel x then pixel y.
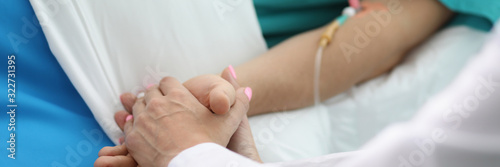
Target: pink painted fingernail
{"type": "Point", "coordinates": [231, 70]}
{"type": "Point", "coordinates": [150, 85]}
{"type": "Point", "coordinates": [248, 92]}
{"type": "Point", "coordinates": [128, 118]}
{"type": "Point", "coordinates": [354, 4]}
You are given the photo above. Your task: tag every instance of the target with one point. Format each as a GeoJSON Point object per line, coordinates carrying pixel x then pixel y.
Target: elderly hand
{"type": "Point", "coordinates": [169, 119]}
{"type": "Point", "coordinates": [208, 89]}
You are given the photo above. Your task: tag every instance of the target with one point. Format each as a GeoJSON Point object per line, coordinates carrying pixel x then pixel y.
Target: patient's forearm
{"type": "Point", "coordinates": [282, 78]}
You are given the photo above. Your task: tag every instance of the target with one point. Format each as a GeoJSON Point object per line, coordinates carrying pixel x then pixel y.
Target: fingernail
{"type": "Point", "coordinates": [128, 118]}
{"type": "Point", "coordinates": [354, 3]}
{"type": "Point", "coordinates": [140, 95]}
{"type": "Point", "coordinates": [120, 140]}
{"type": "Point", "coordinates": [248, 92]}
{"type": "Point", "coordinates": [150, 85]}
{"type": "Point", "coordinates": [231, 70]}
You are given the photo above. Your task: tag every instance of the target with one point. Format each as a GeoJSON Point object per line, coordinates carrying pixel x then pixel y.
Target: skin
{"type": "Point", "coordinates": [167, 112]}
{"type": "Point", "coordinates": [241, 141]}
{"type": "Point", "coordinates": [282, 79]}
{"type": "Point", "coordinates": [285, 73]}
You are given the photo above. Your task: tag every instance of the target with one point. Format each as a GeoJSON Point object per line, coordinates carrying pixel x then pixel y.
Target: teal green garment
{"type": "Point", "coordinates": [480, 14]}
{"type": "Point", "coordinates": [281, 19]}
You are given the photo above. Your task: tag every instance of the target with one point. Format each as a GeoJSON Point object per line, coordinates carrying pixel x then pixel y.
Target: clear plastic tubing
{"type": "Point", "coordinates": [317, 75]}
{"type": "Point", "coordinates": [326, 38]}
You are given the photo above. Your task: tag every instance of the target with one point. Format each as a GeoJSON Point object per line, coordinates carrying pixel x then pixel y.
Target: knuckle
{"type": "Point", "coordinates": [156, 103]}
{"type": "Point", "coordinates": [141, 119]}
{"type": "Point", "coordinates": [104, 151]}
{"type": "Point", "coordinates": [166, 80]}
{"type": "Point", "coordinates": [101, 162]}
{"type": "Point", "coordinates": [137, 103]}
{"type": "Point", "coordinates": [132, 140]}
{"type": "Point", "coordinates": [176, 93]}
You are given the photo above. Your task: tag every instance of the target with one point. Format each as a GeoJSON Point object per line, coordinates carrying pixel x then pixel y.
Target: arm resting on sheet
{"type": "Point", "coordinates": [365, 47]}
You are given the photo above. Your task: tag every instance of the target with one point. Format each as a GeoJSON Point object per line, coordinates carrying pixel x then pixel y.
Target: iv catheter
{"type": "Point", "coordinates": [327, 36]}
{"type": "Point", "coordinates": [326, 39]}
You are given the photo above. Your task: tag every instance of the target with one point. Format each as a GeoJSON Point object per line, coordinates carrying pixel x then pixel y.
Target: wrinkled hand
{"type": "Point", "coordinates": [169, 119]}
{"type": "Point", "coordinates": [205, 88]}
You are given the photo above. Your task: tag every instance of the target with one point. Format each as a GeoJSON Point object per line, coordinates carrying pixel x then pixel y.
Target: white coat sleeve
{"type": "Point", "coordinates": [211, 154]}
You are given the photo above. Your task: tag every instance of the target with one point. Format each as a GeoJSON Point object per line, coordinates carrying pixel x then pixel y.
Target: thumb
{"type": "Point", "coordinates": [221, 98]}
{"type": "Point", "coordinates": [213, 92]}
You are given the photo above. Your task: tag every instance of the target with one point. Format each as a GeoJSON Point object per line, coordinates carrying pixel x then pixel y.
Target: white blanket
{"type": "Point", "coordinates": [347, 121]}
{"type": "Point", "coordinates": [110, 47]}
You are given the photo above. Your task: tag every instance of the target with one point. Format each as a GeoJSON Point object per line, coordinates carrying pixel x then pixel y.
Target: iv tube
{"type": "Point", "coordinates": [326, 38]}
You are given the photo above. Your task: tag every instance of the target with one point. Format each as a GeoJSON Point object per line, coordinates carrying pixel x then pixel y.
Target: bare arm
{"type": "Point", "coordinates": [282, 78]}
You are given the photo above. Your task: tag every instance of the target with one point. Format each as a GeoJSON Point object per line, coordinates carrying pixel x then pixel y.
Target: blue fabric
{"type": "Point", "coordinates": [54, 127]}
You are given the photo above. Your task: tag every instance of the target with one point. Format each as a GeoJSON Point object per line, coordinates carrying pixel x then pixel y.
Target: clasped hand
{"type": "Point", "coordinates": [172, 117]}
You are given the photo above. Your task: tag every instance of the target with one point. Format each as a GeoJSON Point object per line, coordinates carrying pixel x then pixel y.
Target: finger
{"type": "Point", "coordinates": [151, 93]}
{"type": "Point", "coordinates": [139, 106]}
{"type": "Point", "coordinates": [221, 97]}
{"type": "Point", "coordinates": [168, 84]}
{"type": "Point", "coordinates": [129, 122]}
{"type": "Point", "coordinates": [242, 141]}
{"type": "Point", "coordinates": [113, 151]}
{"type": "Point", "coordinates": [115, 161]}
{"type": "Point", "coordinates": [229, 74]}
{"type": "Point", "coordinates": [201, 86]}
{"type": "Point", "coordinates": [128, 100]}
{"type": "Point", "coordinates": [213, 92]}
{"type": "Point", "coordinates": [121, 140]}
{"type": "Point", "coordinates": [120, 118]}
{"type": "Point", "coordinates": [241, 106]}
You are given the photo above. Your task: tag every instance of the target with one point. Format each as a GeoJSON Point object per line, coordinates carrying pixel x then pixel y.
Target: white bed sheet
{"type": "Point", "coordinates": [346, 122]}
{"type": "Point", "coordinates": [109, 47]}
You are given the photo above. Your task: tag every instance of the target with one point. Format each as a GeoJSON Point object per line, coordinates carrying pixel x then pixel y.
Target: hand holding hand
{"type": "Point", "coordinates": [206, 89]}
{"type": "Point", "coordinates": [169, 119]}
